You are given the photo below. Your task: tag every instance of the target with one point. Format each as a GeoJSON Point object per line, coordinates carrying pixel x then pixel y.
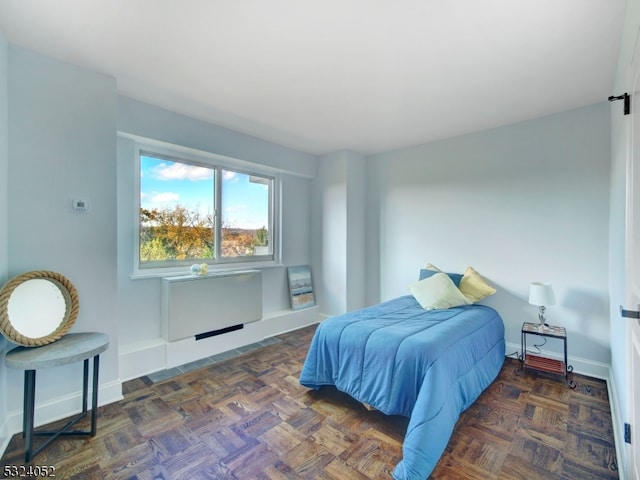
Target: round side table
{"type": "Point", "coordinates": [71, 348]}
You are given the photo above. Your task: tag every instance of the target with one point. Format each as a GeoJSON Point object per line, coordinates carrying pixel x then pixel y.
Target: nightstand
{"type": "Point", "coordinates": [544, 364]}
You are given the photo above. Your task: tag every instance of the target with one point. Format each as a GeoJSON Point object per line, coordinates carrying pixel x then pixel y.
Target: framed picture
{"type": "Point", "coordinates": [300, 287]}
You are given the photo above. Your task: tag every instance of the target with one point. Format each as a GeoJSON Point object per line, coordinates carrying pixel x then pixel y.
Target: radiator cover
{"type": "Point", "coordinates": [193, 305]}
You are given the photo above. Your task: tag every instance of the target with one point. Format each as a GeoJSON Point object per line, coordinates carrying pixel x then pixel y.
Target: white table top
{"type": "Point", "coordinates": [71, 348]}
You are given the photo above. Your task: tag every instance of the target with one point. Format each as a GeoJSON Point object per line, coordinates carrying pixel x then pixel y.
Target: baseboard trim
{"type": "Point", "coordinates": [154, 355]}
{"type": "Point", "coordinates": [622, 448]}
{"type": "Point", "coordinates": [582, 366]}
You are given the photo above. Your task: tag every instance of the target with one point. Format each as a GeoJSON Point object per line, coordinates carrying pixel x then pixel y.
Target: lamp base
{"type": "Point", "coordinates": [542, 319]}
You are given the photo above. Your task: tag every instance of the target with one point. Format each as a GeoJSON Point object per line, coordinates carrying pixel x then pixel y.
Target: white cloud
{"type": "Point", "coordinates": [181, 171]}
{"type": "Point", "coordinates": [228, 176]}
{"type": "Point", "coordinates": [165, 197]}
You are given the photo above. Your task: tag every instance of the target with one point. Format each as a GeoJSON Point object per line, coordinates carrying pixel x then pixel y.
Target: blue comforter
{"type": "Point", "coordinates": [404, 360]}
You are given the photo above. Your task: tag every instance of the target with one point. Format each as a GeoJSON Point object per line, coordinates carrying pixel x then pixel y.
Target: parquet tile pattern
{"type": "Point", "coordinates": [248, 418]}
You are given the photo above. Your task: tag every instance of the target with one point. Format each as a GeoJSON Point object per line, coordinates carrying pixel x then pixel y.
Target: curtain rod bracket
{"type": "Point", "coordinates": [627, 102]}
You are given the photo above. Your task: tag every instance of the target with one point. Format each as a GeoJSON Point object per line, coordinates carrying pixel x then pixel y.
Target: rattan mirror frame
{"type": "Point", "coordinates": [69, 293]}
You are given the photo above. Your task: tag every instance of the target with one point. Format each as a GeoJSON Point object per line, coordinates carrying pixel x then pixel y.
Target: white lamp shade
{"type": "Point", "coordinates": [541, 294]}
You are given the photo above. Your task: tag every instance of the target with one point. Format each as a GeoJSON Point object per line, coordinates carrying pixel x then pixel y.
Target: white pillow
{"type": "Point", "coordinates": [437, 291]}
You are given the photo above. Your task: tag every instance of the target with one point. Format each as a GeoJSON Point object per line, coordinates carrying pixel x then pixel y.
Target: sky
{"type": "Point", "coordinates": [164, 183]}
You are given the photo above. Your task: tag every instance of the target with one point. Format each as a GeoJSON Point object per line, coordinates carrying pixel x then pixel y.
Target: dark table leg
{"type": "Point", "coordinates": [29, 407]}
{"type": "Point", "coordinates": [85, 384]}
{"type": "Point", "coordinates": [94, 399]}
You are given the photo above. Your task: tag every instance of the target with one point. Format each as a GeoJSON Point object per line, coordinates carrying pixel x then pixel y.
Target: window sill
{"type": "Point", "coordinates": [212, 270]}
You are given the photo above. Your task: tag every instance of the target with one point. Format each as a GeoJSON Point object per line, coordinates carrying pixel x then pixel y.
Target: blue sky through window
{"type": "Point", "coordinates": [165, 183]}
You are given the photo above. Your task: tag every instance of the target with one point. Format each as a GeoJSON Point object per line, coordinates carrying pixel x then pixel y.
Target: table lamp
{"type": "Point", "coordinates": [541, 294]}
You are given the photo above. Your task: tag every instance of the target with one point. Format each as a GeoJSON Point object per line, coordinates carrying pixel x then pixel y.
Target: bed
{"type": "Point", "coordinates": [403, 359]}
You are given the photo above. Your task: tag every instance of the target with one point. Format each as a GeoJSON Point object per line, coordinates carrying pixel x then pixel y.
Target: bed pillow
{"type": "Point", "coordinates": [437, 292]}
{"type": "Point", "coordinates": [473, 286]}
{"type": "Point", "coordinates": [428, 272]}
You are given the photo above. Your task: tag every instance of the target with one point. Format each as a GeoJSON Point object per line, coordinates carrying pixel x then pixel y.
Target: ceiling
{"type": "Point", "coordinates": [328, 75]}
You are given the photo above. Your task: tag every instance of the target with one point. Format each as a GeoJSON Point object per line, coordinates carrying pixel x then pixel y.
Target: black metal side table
{"type": "Point", "coordinates": [545, 364]}
{"type": "Point", "coordinates": [71, 348]}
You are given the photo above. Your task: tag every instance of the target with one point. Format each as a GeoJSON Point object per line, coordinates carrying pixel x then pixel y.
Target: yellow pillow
{"type": "Point", "coordinates": [474, 287]}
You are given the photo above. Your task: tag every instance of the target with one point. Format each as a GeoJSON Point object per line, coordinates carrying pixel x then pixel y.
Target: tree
{"type": "Point", "coordinates": [153, 251]}
{"type": "Point", "coordinates": [178, 233]}
{"type": "Point", "coordinates": [262, 237]}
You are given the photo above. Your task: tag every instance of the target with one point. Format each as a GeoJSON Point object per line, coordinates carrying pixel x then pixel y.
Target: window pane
{"type": "Point", "coordinates": [246, 214]}
{"type": "Point", "coordinates": [176, 211]}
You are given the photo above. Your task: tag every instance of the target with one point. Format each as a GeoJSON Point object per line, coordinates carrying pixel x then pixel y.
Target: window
{"type": "Point", "coordinates": [201, 211]}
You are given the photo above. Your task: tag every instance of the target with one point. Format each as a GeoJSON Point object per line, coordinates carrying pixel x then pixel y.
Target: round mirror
{"type": "Point", "coordinates": [37, 308]}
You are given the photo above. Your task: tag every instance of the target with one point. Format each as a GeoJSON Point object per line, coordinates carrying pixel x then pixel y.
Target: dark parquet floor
{"type": "Point", "coordinates": [248, 418]}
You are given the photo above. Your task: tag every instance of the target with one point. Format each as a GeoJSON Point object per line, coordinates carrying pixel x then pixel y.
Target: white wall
{"type": "Point", "coordinates": [339, 233]}
{"type": "Point", "coordinates": [617, 211]}
{"type": "Point", "coordinates": [329, 238]}
{"type": "Point", "coordinates": [356, 238]}
{"type": "Point", "coordinates": [62, 123]}
{"type": "Point", "coordinates": [4, 156]}
{"type": "Point", "coordinates": [4, 222]}
{"type": "Point", "coordinates": [527, 202]}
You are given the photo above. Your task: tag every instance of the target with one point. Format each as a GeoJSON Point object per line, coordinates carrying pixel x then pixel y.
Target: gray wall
{"type": "Point", "coordinates": [523, 203]}
{"type": "Point", "coordinates": [62, 144]}
{"type": "Point", "coordinates": [338, 239]}
{"type": "Point", "coordinates": [4, 222]}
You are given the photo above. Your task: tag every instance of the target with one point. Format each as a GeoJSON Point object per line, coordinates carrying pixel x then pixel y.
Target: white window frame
{"type": "Point", "coordinates": [218, 163]}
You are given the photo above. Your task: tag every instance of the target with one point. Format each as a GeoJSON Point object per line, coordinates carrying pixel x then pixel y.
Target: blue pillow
{"type": "Point", "coordinates": [455, 277]}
